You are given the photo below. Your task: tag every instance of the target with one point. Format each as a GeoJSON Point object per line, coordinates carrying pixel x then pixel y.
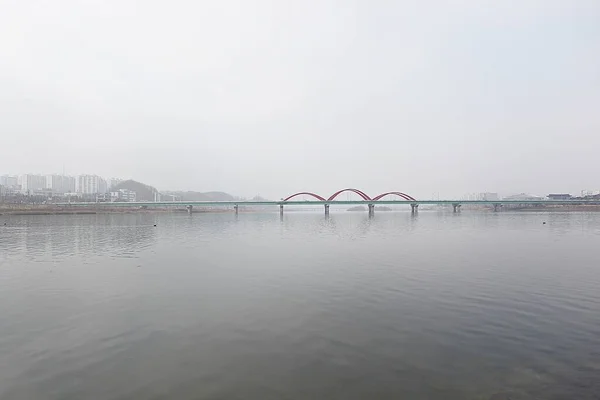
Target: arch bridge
{"type": "Point", "coordinates": [326, 201]}
{"type": "Point", "coordinates": [369, 200]}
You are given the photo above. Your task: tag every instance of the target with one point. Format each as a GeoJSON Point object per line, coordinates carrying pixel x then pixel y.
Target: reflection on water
{"type": "Point", "coordinates": [53, 237]}
{"type": "Point", "coordinates": [428, 306]}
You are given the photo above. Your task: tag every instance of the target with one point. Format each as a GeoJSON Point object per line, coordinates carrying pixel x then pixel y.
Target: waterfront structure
{"type": "Point", "coordinates": [90, 184]}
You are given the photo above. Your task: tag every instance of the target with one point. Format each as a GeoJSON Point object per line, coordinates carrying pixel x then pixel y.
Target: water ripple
{"type": "Point", "coordinates": [433, 306]}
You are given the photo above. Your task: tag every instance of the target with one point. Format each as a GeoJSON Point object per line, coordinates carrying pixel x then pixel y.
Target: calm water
{"type": "Point", "coordinates": [439, 306]}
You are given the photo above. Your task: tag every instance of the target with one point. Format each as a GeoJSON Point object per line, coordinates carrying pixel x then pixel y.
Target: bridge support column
{"type": "Point", "coordinates": [371, 210]}
{"type": "Point", "coordinates": [281, 210]}
{"type": "Point", "coordinates": [189, 208]}
{"type": "Point", "coordinates": [236, 208]}
{"type": "Point", "coordinates": [456, 207]}
{"type": "Point", "coordinates": [497, 207]}
{"type": "Point", "coordinates": [326, 209]}
{"type": "Point", "coordinates": [414, 208]}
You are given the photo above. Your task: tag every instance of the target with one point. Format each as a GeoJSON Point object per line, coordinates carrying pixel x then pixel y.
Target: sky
{"type": "Point", "coordinates": [436, 98]}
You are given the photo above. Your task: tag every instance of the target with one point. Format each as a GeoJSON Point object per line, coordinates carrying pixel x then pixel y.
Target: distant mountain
{"type": "Point", "coordinates": [201, 196]}
{"type": "Point", "coordinates": [143, 192]}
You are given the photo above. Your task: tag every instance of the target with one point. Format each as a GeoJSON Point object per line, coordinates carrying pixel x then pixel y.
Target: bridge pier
{"type": "Point", "coordinates": [456, 207]}
{"type": "Point", "coordinates": [326, 209]}
{"type": "Point", "coordinates": [414, 208]}
{"type": "Point", "coordinates": [497, 207]}
{"type": "Point", "coordinates": [371, 209]}
{"type": "Point", "coordinates": [236, 208]}
{"type": "Point", "coordinates": [189, 208]}
{"type": "Point", "coordinates": [281, 210]}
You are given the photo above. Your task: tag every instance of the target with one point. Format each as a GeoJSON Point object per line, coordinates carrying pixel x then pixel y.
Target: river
{"type": "Point", "coordinates": [473, 305]}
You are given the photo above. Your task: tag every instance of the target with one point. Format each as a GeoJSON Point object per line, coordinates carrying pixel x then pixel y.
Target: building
{"type": "Point", "coordinates": [489, 196]}
{"type": "Point", "coordinates": [102, 197]}
{"type": "Point", "coordinates": [31, 183]}
{"type": "Point", "coordinates": [8, 191]}
{"type": "Point", "coordinates": [559, 196]}
{"type": "Point", "coordinates": [90, 184]}
{"type": "Point", "coordinates": [9, 181]}
{"type": "Point", "coordinates": [123, 195]}
{"type": "Point", "coordinates": [523, 196]}
{"type": "Point", "coordinates": [128, 195]}
{"type": "Point", "coordinates": [60, 184]}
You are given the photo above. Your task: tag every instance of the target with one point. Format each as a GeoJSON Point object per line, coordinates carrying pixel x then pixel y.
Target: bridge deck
{"type": "Point", "coordinates": [318, 202]}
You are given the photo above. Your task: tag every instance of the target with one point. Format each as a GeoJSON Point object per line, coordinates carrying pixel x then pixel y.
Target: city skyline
{"type": "Point", "coordinates": [58, 183]}
{"type": "Point", "coordinates": [81, 184]}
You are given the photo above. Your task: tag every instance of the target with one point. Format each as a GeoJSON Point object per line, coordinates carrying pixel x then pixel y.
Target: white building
{"type": "Point", "coordinates": [123, 195]}
{"type": "Point", "coordinates": [31, 183]}
{"type": "Point", "coordinates": [90, 184]}
{"type": "Point", "coordinates": [523, 196]}
{"type": "Point", "coordinates": [583, 192]}
{"type": "Point", "coordinates": [9, 181]}
{"type": "Point", "coordinates": [60, 183]}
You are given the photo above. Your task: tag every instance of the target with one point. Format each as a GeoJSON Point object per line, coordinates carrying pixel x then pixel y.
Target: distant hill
{"type": "Point", "coordinates": [202, 196]}
{"type": "Point", "coordinates": [143, 192]}
{"type": "Point", "coordinates": [146, 193]}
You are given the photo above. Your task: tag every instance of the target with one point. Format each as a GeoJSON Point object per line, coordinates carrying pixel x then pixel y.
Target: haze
{"type": "Point", "coordinates": [275, 97]}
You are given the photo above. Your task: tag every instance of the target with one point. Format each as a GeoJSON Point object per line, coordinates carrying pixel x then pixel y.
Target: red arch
{"type": "Point", "coordinates": [403, 195]}
{"type": "Point", "coordinates": [316, 196]}
{"type": "Point", "coordinates": [358, 192]}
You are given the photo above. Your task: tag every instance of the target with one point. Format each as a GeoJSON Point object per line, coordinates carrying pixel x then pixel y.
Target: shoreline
{"type": "Point", "coordinates": [45, 210]}
{"type": "Point", "coordinates": [91, 210]}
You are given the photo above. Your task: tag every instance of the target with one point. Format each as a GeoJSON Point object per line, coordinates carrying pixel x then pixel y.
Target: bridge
{"type": "Point", "coordinates": [400, 199]}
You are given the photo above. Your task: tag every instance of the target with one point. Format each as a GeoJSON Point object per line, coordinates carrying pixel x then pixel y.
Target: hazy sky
{"type": "Point", "coordinates": [274, 97]}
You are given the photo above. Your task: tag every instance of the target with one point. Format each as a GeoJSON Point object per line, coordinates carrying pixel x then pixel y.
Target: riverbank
{"type": "Point", "coordinates": [19, 209]}
{"type": "Point", "coordinates": [60, 210]}
{"type": "Point", "coordinates": [550, 208]}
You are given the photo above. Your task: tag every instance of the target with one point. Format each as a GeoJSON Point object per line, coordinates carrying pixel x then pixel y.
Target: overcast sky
{"type": "Point", "coordinates": [274, 97]}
